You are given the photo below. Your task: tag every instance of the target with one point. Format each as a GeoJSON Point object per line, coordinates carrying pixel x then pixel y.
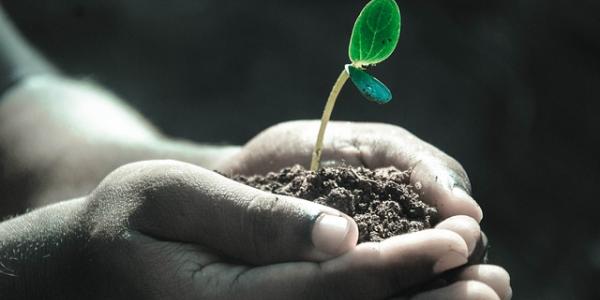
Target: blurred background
{"type": "Point", "coordinates": [509, 88]}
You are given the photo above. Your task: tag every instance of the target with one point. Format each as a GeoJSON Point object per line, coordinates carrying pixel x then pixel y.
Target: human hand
{"type": "Point", "coordinates": [443, 181]}
{"type": "Point", "coordinates": [69, 134]}
{"type": "Point", "coordinates": [165, 229]}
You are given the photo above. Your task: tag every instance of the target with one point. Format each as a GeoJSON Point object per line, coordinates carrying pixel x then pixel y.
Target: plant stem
{"type": "Point", "coordinates": [335, 91]}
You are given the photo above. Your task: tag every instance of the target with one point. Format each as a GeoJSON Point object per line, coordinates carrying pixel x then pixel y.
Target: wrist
{"type": "Point", "coordinates": [40, 251]}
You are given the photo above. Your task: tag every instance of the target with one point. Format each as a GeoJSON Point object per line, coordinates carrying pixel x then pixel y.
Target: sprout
{"type": "Point", "coordinates": [374, 38]}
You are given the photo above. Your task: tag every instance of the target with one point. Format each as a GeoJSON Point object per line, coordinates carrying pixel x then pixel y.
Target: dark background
{"type": "Point", "coordinates": [509, 88]}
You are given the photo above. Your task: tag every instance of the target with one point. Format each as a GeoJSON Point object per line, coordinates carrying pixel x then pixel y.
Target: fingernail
{"type": "Point", "coordinates": [451, 260]}
{"type": "Point", "coordinates": [479, 254]}
{"type": "Point", "coordinates": [461, 194]}
{"type": "Point", "coordinates": [459, 181]}
{"type": "Point", "coordinates": [329, 233]}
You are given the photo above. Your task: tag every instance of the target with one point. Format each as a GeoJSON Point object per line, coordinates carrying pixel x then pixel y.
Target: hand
{"type": "Point", "coordinates": [165, 229]}
{"type": "Point", "coordinates": [68, 135]}
{"type": "Point", "coordinates": [443, 180]}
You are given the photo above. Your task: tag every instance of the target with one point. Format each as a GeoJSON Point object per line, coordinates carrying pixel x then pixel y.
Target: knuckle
{"type": "Point", "coordinates": [132, 192]}
{"type": "Point", "coordinates": [459, 176]}
{"type": "Point", "coordinates": [144, 179]}
{"type": "Point", "coordinates": [447, 171]}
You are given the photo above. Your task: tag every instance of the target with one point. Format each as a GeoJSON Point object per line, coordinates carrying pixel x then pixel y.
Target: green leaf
{"type": "Point", "coordinates": [369, 86]}
{"type": "Point", "coordinates": [376, 33]}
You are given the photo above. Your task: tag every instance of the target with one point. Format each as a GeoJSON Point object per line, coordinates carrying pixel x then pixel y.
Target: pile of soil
{"type": "Point", "coordinates": [382, 202]}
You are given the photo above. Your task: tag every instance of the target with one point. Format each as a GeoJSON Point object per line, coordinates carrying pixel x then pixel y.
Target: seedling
{"type": "Point", "coordinates": [374, 37]}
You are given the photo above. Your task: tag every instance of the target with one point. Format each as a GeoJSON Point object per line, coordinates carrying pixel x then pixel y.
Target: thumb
{"type": "Point", "coordinates": [199, 206]}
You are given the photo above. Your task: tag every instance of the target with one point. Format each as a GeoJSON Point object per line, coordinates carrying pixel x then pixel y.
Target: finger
{"type": "Point", "coordinates": [441, 187]}
{"type": "Point", "coordinates": [442, 181]}
{"type": "Point", "coordinates": [469, 230]}
{"type": "Point", "coordinates": [461, 290]}
{"type": "Point", "coordinates": [369, 271]}
{"type": "Point", "coordinates": [493, 276]}
{"type": "Point", "coordinates": [466, 227]}
{"type": "Point", "coordinates": [186, 203]}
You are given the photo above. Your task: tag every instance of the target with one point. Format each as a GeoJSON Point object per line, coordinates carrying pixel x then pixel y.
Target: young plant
{"type": "Point", "coordinates": [374, 38]}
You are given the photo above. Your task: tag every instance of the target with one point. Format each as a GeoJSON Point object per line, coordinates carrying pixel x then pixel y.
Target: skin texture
{"type": "Point", "coordinates": [165, 228]}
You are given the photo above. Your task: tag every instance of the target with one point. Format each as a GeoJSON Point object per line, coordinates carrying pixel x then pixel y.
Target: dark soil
{"type": "Point", "coordinates": [382, 202]}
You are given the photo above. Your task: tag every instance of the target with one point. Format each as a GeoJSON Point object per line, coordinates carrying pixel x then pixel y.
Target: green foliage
{"type": "Point", "coordinates": [376, 33]}
{"type": "Point", "coordinates": [374, 38]}
{"type": "Point", "coordinates": [373, 89]}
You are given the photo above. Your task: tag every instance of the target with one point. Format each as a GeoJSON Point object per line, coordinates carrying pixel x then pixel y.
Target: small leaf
{"type": "Point", "coordinates": [369, 86]}
{"type": "Point", "coordinates": [376, 33]}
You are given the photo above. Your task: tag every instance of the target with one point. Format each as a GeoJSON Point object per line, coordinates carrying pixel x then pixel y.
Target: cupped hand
{"type": "Point", "coordinates": [443, 181]}
{"type": "Point", "coordinates": [171, 230]}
